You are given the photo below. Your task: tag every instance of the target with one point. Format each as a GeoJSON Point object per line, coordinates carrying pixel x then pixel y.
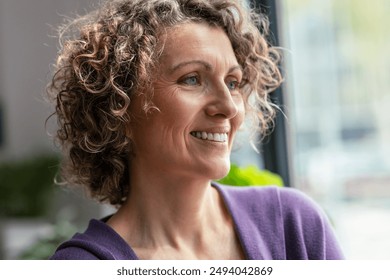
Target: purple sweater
{"type": "Point", "coordinates": [272, 224]}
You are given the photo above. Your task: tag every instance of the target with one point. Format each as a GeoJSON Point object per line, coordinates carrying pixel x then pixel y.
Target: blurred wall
{"type": "Point", "coordinates": [27, 49]}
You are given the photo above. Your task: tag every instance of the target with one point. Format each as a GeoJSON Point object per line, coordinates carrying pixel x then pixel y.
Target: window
{"type": "Point", "coordinates": [337, 65]}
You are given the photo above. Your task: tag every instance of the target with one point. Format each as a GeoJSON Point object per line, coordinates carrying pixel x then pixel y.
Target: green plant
{"type": "Point", "coordinates": [250, 176]}
{"type": "Point", "coordinates": [26, 186]}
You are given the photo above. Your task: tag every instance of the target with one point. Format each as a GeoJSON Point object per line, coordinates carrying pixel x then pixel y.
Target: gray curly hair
{"type": "Point", "coordinates": [108, 56]}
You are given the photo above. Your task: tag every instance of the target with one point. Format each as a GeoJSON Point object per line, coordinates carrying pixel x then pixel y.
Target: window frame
{"type": "Point", "coordinates": [274, 147]}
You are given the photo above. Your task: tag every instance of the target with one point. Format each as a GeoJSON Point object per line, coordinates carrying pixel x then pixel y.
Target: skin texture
{"type": "Point", "coordinates": [172, 212]}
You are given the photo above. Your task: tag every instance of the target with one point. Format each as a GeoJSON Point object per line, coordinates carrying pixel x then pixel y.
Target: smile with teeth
{"type": "Point", "coordinates": [216, 137]}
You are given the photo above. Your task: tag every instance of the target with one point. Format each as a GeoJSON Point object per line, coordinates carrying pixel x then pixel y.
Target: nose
{"type": "Point", "coordinates": [222, 103]}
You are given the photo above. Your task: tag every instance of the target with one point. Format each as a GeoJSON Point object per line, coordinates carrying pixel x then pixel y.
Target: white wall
{"type": "Point", "coordinates": [26, 52]}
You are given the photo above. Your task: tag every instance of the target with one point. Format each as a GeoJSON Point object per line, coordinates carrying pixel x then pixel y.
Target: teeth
{"type": "Point", "coordinates": [216, 137]}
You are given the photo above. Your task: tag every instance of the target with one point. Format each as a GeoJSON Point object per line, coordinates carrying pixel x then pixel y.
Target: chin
{"type": "Point", "coordinates": [221, 171]}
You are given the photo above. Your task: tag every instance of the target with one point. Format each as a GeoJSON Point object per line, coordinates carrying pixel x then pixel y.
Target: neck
{"type": "Point", "coordinates": [168, 210]}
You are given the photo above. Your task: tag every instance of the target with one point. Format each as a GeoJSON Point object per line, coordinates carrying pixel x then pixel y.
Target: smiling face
{"type": "Point", "coordinates": [200, 106]}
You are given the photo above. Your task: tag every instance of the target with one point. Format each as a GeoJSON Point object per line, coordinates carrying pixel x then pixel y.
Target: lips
{"type": "Point", "coordinates": [216, 137]}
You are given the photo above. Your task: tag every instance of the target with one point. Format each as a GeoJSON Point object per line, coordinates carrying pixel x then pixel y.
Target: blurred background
{"type": "Point", "coordinates": [334, 143]}
{"type": "Point", "coordinates": [338, 90]}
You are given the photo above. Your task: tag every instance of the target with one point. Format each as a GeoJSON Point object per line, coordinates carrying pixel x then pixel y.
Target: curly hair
{"type": "Point", "coordinates": [108, 56]}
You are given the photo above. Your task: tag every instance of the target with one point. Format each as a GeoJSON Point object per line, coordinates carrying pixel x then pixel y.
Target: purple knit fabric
{"type": "Point", "coordinates": [272, 223]}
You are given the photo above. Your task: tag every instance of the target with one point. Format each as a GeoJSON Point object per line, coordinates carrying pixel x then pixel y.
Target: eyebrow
{"type": "Point", "coordinates": [205, 64]}
{"type": "Point", "coordinates": [185, 63]}
{"type": "Point", "coordinates": [235, 67]}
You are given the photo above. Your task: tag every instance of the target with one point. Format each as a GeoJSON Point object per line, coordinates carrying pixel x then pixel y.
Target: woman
{"type": "Point", "coordinates": [149, 97]}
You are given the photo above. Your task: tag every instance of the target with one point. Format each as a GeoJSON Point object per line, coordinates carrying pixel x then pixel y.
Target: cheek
{"type": "Point", "coordinates": [173, 119]}
{"type": "Point", "coordinates": [175, 106]}
{"type": "Point", "coordinates": [239, 118]}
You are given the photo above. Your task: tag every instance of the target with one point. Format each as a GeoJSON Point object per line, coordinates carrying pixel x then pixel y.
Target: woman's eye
{"type": "Point", "coordinates": [191, 81]}
{"type": "Point", "coordinates": [233, 85]}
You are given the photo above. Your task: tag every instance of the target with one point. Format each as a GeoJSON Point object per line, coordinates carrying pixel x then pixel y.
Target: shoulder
{"type": "Point", "coordinates": [75, 250]}
{"type": "Point", "coordinates": [300, 211]}
{"type": "Point", "coordinates": [284, 199]}
{"type": "Point", "coordinates": [248, 194]}
{"type": "Point", "coordinates": [288, 215]}
{"type": "Point", "coordinates": [308, 231]}
{"type": "Point", "coordinates": [88, 245]}
{"type": "Point", "coordinates": [296, 203]}
{"type": "Point", "coordinates": [287, 200]}
{"type": "Point", "coordinates": [99, 241]}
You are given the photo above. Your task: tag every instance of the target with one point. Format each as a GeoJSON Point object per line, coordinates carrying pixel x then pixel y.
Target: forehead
{"type": "Point", "coordinates": [197, 41]}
